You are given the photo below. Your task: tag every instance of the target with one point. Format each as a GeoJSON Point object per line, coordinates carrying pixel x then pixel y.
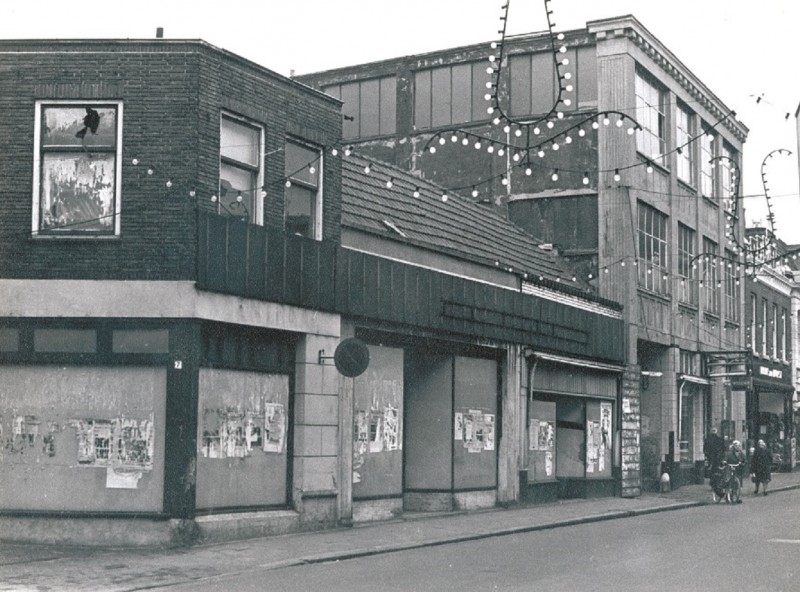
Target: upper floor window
{"type": "Point", "coordinates": [732, 297]}
{"type": "Point", "coordinates": [774, 331]}
{"type": "Point", "coordinates": [707, 181]}
{"type": "Point", "coordinates": [77, 173]}
{"type": "Point", "coordinates": [303, 193]}
{"type": "Point", "coordinates": [786, 335]}
{"type": "Point", "coordinates": [764, 323]}
{"type": "Point", "coordinates": [727, 182]}
{"type": "Point", "coordinates": [241, 173]}
{"type": "Point", "coordinates": [711, 275]}
{"type": "Point", "coordinates": [651, 138]}
{"type": "Point", "coordinates": [369, 106]}
{"type": "Point", "coordinates": [450, 95]}
{"type": "Point", "coordinates": [686, 265]}
{"type": "Point", "coordinates": [652, 249]}
{"type": "Point", "coordinates": [684, 130]}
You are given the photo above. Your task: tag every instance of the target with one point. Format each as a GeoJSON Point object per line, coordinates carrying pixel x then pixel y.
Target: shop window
{"type": "Point", "coordinates": [240, 169]}
{"type": "Point", "coordinates": [369, 106]}
{"type": "Point", "coordinates": [651, 137]}
{"type": "Point", "coordinates": [65, 340]}
{"type": "Point", "coordinates": [303, 194]}
{"type": "Point", "coordinates": [77, 168]}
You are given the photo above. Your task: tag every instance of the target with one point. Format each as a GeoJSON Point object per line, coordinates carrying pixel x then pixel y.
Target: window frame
{"type": "Point", "coordinates": [425, 107]}
{"type": "Point", "coordinates": [646, 112]}
{"type": "Point", "coordinates": [40, 106]}
{"type": "Point", "coordinates": [685, 153]}
{"type": "Point", "coordinates": [731, 294]}
{"type": "Point", "coordinates": [256, 215]}
{"type": "Point", "coordinates": [711, 302]}
{"type": "Point", "coordinates": [385, 107]}
{"type": "Point", "coordinates": [687, 246]}
{"type": "Point", "coordinates": [318, 197]}
{"type": "Point", "coordinates": [652, 276]}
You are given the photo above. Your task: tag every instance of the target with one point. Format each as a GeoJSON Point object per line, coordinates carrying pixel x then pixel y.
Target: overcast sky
{"type": "Point", "coordinates": [740, 50]}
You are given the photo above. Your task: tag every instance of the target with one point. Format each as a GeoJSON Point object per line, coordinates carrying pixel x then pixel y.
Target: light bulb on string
{"type": "Point", "coordinates": [135, 162]}
{"type": "Point", "coordinates": [554, 176]}
{"type": "Point", "coordinates": [540, 153]}
{"type": "Point", "coordinates": [585, 178]}
{"type": "Point", "coordinates": [617, 176]}
{"type": "Point", "coordinates": [528, 171]}
{"type": "Point", "coordinates": [334, 151]}
{"type": "Point", "coordinates": [536, 131]}
{"type": "Point", "coordinates": [503, 180]}
{"type": "Point", "coordinates": [581, 132]}
{"type": "Point", "coordinates": [550, 125]}
{"type": "Point", "coordinates": [288, 183]}
{"type": "Point", "coordinates": [367, 169]}
{"type": "Point", "coordinates": [595, 125]}
{"type": "Point", "coordinates": [168, 184]}
{"type": "Point", "coordinates": [389, 183]}
{"type": "Point", "coordinates": [474, 191]}
{"type": "Point", "coordinates": [444, 197]}
{"type": "Point", "coordinates": [432, 149]}
{"type": "Point", "coordinates": [416, 191]}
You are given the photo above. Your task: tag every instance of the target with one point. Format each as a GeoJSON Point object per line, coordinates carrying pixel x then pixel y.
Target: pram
{"type": "Point", "coordinates": [725, 484]}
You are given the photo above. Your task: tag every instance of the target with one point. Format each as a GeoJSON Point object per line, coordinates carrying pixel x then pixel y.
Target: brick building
{"type": "Point", "coordinates": [618, 155]}
{"type": "Point", "coordinates": [176, 278]}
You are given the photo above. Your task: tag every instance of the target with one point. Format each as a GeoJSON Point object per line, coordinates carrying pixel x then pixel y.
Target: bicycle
{"type": "Point", "coordinates": [726, 486]}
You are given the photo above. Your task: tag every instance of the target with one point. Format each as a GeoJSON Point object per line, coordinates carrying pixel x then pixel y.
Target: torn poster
{"type": "Point", "coordinates": [488, 432]}
{"type": "Point", "coordinates": [477, 430]}
{"type": "Point", "coordinates": [605, 425]}
{"type": "Point", "coordinates": [361, 427]}
{"type": "Point", "coordinates": [274, 427]}
{"type": "Point", "coordinates": [231, 432]}
{"type": "Point", "coordinates": [122, 478]}
{"type": "Point", "coordinates": [459, 426]}
{"type": "Point", "coordinates": [24, 431]}
{"type": "Point", "coordinates": [121, 443]}
{"type": "Point", "coordinates": [375, 431]}
{"type": "Point", "coordinates": [391, 429]}
{"type": "Point", "coordinates": [548, 463]}
{"type": "Point", "coordinates": [545, 435]}
{"type": "Point", "coordinates": [626, 405]}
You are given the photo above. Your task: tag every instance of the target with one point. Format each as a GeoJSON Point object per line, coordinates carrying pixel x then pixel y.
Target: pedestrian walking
{"type": "Point", "coordinates": [761, 467]}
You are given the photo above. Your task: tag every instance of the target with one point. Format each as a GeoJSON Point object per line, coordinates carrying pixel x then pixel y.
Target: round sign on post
{"type": "Point", "coordinates": [351, 357]}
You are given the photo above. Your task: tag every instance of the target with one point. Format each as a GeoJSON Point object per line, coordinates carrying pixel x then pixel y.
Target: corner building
{"type": "Point", "coordinates": [178, 272]}
{"type": "Point", "coordinates": [640, 210]}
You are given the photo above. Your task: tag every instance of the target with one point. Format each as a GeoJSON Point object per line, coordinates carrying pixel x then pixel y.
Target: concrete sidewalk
{"type": "Point", "coordinates": [30, 567]}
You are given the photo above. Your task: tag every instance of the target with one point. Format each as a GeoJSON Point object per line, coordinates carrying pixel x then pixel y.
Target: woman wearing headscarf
{"type": "Point", "coordinates": [761, 466]}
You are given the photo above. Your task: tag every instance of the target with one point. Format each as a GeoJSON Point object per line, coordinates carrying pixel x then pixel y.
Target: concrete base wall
{"type": "Point", "coordinates": [423, 501]}
{"type": "Point", "coordinates": [96, 532]}
{"type": "Point", "coordinates": [218, 528]}
{"type": "Point", "coordinates": [375, 510]}
{"type": "Point", "coordinates": [475, 500]}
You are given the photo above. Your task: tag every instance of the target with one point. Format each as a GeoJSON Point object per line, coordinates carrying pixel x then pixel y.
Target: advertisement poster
{"type": "Point", "coordinates": [548, 463]}
{"type": "Point", "coordinates": [475, 429]}
{"type": "Point", "coordinates": [122, 443]}
{"type": "Point", "coordinates": [274, 427]}
{"type": "Point", "coordinates": [391, 429]}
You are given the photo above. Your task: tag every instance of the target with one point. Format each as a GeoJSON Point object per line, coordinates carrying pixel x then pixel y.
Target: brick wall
{"type": "Point", "coordinates": [172, 94]}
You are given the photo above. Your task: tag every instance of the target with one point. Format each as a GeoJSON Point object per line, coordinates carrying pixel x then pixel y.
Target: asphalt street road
{"type": "Point", "coordinates": [753, 546]}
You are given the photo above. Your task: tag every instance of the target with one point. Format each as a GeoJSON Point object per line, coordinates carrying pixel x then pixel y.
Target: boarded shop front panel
{"type": "Point", "coordinates": [241, 440]}
{"type": "Point", "coordinates": [475, 414]}
{"type": "Point", "coordinates": [82, 438]}
{"type": "Point", "coordinates": [429, 421]}
{"type": "Point", "coordinates": [378, 425]}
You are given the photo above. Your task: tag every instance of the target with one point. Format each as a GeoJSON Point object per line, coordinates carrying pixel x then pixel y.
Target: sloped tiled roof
{"type": "Point", "coordinates": [457, 227]}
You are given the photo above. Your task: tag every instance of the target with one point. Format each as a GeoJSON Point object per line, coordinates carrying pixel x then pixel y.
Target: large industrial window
{"type": "Point", "coordinates": [727, 181]}
{"type": "Point", "coordinates": [303, 193]}
{"type": "Point", "coordinates": [369, 106]}
{"type": "Point", "coordinates": [711, 276]}
{"type": "Point", "coordinates": [732, 299]}
{"type": "Point", "coordinates": [684, 128]}
{"type": "Point", "coordinates": [707, 181]}
{"type": "Point", "coordinates": [686, 265]}
{"type": "Point", "coordinates": [653, 253]}
{"type": "Point", "coordinates": [76, 183]}
{"type": "Point", "coordinates": [240, 168]}
{"type": "Point", "coordinates": [450, 95]}
{"type": "Point", "coordinates": [651, 138]}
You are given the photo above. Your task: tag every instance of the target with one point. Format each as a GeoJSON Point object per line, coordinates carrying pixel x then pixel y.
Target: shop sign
{"type": "Point", "coordinates": [770, 372]}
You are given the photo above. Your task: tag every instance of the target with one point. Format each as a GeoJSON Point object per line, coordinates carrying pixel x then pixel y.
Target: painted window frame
{"type": "Point", "coordinates": [708, 180]}
{"type": "Point", "coordinates": [687, 247]}
{"type": "Point", "coordinates": [651, 137]}
{"type": "Point", "coordinates": [427, 101]}
{"type": "Point", "coordinates": [40, 106]}
{"type": "Point", "coordinates": [295, 179]}
{"type": "Point", "coordinates": [684, 131]}
{"type": "Point", "coordinates": [361, 115]}
{"type": "Point", "coordinates": [732, 296]}
{"type": "Point", "coordinates": [653, 255]}
{"type": "Point", "coordinates": [254, 213]}
{"type": "Point", "coordinates": [711, 302]}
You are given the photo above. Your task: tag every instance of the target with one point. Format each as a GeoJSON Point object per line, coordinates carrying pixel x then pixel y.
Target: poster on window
{"type": "Point", "coordinates": [274, 427]}
{"type": "Point", "coordinates": [475, 429]}
{"type": "Point", "coordinates": [123, 443]}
